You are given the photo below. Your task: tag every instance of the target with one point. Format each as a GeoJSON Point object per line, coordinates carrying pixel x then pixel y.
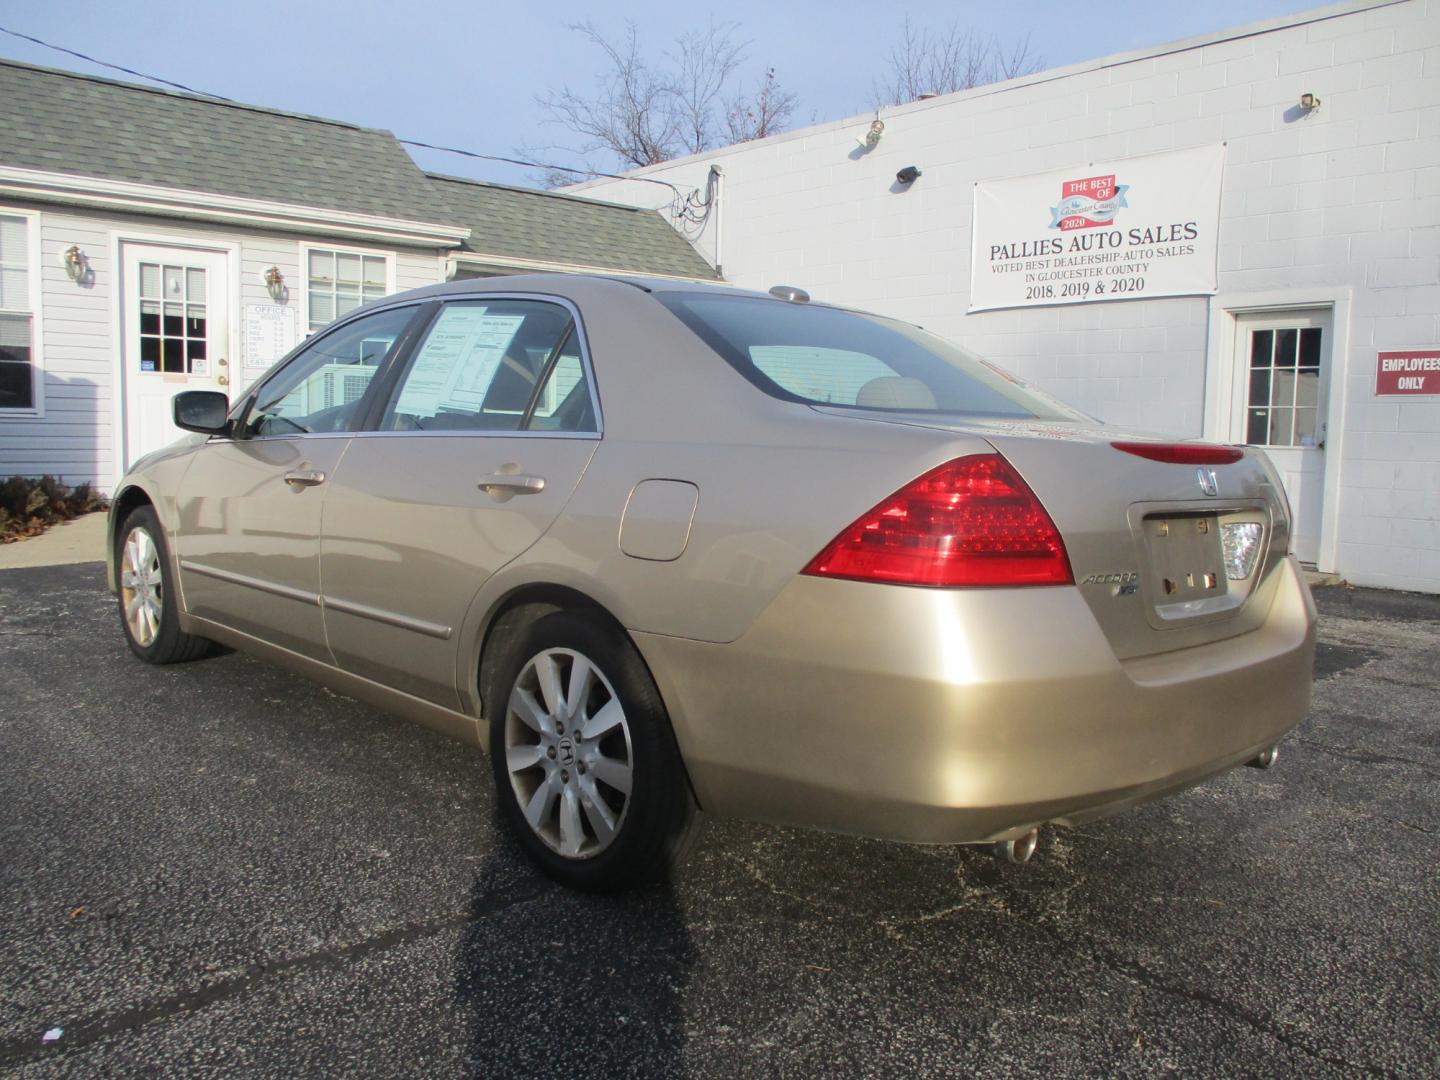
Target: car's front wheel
{"type": "Point", "coordinates": [586, 765]}
{"type": "Point", "coordinates": [148, 612]}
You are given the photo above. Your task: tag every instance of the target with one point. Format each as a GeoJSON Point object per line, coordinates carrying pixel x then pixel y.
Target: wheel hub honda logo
{"type": "Point", "coordinates": [1207, 481]}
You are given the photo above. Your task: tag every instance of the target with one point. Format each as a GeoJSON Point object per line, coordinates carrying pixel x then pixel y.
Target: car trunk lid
{"type": "Point", "coordinates": [1146, 539]}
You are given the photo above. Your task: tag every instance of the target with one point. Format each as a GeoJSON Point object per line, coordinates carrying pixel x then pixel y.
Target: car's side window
{"type": "Point", "coordinates": [488, 365]}
{"type": "Point", "coordinates": [320, 389]}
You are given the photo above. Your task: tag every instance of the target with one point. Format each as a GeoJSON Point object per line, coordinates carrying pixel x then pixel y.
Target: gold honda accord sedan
{"type": "Point", "coordinates": [670, 548]}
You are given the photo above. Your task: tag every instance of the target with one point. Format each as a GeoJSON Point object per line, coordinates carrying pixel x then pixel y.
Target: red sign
{"type": "Point", "coordinates": [1404, 373]}
{"type": "Point", "coordinates": [1087, 203]}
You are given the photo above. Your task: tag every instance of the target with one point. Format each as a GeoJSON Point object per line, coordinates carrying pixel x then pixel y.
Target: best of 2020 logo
{"type": "Point", "coordinates": [1088, 203]}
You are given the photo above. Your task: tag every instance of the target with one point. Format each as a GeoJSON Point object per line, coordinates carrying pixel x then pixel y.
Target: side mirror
{"type": "Point", "coordinates": [205, 411]}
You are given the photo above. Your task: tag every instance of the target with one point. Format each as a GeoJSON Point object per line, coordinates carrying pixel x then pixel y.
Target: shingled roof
{"type": "Point", "coordinates": [65, 122]}
{"type": "Point", "coordinates": [521, 223]}
{"type": "Point", "coordinates": [61, 121]}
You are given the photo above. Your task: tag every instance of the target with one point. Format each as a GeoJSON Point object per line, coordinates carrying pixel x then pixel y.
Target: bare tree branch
{"type": "Point", "coordinates": [643, 113]}
{"type": "Point", "coordinates": [630, 116]}
{"type": "Point", "coordinates": [944, 62]}
{"type": "Point", "coordinates": [704, 62]}
{"type": "Point", "coordinates": [765, 112]}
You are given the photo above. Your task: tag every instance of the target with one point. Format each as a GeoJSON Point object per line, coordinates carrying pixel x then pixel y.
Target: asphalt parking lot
{"type": "Point", "coordinates": [218, 869]}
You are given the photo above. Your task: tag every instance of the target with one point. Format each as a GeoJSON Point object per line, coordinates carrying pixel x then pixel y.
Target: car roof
{"type": "Point", "coordinates": [568, 285]}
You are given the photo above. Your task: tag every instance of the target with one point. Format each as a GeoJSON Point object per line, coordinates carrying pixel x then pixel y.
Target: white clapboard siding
{"type": "Point", "coordinates": [76, 437]}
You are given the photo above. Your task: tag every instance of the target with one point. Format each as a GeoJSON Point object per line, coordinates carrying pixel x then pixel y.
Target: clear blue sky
{"type": "Point", "coordinates": [466, 73]}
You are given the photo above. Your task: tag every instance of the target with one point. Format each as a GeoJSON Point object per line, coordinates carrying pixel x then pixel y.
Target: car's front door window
{"type": "Point", "coordinates": [322, 387]}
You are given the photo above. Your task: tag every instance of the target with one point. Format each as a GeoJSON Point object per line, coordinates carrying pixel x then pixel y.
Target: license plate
{"type": "Point", "coordinates": [1186, 559]}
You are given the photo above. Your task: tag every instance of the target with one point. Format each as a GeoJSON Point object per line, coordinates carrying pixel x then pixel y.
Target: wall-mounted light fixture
{"type": "Point", "coordinates": [872, 137]}
{"type": "Point", "coordinates": [1309, 102]}
{"type": "Point", "coordinates": [908, 175]}
{"type": "Point", "coordinates": [77, 266]}
{"type": "Point", "coordinates": [274, 283]}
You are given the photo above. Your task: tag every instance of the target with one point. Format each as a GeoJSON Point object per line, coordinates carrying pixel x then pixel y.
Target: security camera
{"type": "Point", "coordinates": [908, 175]}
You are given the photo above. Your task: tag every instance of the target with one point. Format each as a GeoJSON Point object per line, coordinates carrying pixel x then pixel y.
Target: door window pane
{"type": "Point", "coordinates": [1262, 344]}
{"type": "Point", "coordinates": [1305, 423]}
{"type": "Point", "coordinates": [1257, 427]}
{"type": "Point", "coordinates": [1260, 386]}
{"type": "Point", "coordinates": [1283, 394]}
{"type": "Point", "coordinates": [321, 387]}
{"type": "Point", "coordinates": [173, 319]}
{"type": "Point", "coordinates": [1307, 387]}
{"type": "Point", "coordinates": [1286, 343]}
{"type": "Point", "coordinates": [479, 367]}
{"type": "Point", "coordinates": [1281, 427]}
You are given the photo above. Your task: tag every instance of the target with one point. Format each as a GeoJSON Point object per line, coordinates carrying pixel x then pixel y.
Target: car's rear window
{"type": "Point", "coordinates": [826, 356]}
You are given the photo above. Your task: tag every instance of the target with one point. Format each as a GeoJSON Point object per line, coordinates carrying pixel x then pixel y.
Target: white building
{"type": "Point", "coordinates": [1320, 252]}
{"type": "Point", "coordinates": [152, 242]}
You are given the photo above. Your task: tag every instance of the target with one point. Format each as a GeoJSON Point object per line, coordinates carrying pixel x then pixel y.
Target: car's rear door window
{"type": "Point", "coordinates": [493, 365]}
{"type": "Point", "coordinates": [565, 401]}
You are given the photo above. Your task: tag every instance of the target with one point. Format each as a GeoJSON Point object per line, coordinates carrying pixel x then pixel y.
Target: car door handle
{"type": "Point", "coordinates": [511, 484]}
{"type": "Point", "coordinates": [304, 478]}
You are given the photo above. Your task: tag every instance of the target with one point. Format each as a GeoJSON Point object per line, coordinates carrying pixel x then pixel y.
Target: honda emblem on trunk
{"type": "Point", "coordinates": [1207, 481]}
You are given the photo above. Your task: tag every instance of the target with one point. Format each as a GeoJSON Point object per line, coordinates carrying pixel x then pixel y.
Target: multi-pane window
{"type": "Point", "coordinates": [338, 282]}
{"type": "Point", "coordinates": [173, 319]}
{"type": "Point", "coordinates": [1283, 406]}
{"type": "Point", "coordinates": [17, 375]}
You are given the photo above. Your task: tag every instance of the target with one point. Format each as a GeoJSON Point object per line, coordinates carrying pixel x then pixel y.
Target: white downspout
{"type": "Point", "coordinates": [717, 176]}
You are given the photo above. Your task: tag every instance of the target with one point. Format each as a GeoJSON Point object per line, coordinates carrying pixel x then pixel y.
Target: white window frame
{"type": "Point", "coordinates": [36, 313]}
{"type": "Point", "coordinates": [337, 249]}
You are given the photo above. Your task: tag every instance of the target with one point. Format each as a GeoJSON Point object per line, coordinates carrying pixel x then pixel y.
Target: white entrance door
{"type": "Point", "coordinates": [176, 337]}
{"type": "Point", "coordinates": [1282, 376]}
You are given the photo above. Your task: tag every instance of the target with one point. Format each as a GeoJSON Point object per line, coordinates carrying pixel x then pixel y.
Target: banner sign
{"type": "Point", "coordinates": [1403, 373]}
{"type": "Point", "coordinates": [1116, 230]}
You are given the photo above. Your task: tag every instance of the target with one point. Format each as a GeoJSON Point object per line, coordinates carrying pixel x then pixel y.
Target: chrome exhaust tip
{"type": "Point", "coordinates": [1265, 759]}
{"type": "Point", "coordinates": [1019, 850]}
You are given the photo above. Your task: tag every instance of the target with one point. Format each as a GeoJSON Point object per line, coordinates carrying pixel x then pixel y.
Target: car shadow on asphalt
{"type": "Point", "coordinates": [570, 983]}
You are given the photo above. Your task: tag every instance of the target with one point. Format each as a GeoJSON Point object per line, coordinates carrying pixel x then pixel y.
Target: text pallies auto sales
{"type": "Point", "coordinates": [1109, 240]}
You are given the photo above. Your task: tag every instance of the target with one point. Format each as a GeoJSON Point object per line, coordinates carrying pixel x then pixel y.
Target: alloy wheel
{"type": "Point", "coordinates": [568, 753]}
{"type": "Point", "coordinates": [142, 587]}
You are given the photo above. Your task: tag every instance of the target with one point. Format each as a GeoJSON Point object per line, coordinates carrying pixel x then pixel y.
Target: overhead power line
{"type": "Point", "coordinates": [112, 67]}
{"type": "Point", "coordinates": [679, 195]}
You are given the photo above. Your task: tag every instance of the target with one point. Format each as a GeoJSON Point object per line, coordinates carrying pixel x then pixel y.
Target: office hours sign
{"type": "Point", "coordinates": [1111, 230]}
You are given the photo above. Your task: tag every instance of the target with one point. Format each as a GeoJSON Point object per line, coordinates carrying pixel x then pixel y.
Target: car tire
{"type": "Point", "coordinates": [578, 720]}
{"type": "Point", "coordinates": [148, 611]}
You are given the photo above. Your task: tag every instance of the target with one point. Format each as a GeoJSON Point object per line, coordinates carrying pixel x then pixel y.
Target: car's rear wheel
{"type": "Point", "coordinates": [585, 762]}
{"type": "Point", "coordinates": [148, 610]}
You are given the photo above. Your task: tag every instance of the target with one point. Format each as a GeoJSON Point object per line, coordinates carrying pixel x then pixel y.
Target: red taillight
{"type": "Point", "coordinates": [1183, 453]}
{"type": "Point", "coordinates": [972, 521]}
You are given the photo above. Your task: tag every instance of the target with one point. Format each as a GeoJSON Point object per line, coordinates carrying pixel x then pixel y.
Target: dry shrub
{"type": "Point", "coordinates": [29, 506]}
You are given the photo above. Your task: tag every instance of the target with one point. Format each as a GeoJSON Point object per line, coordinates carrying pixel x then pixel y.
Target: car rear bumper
{"type": "Point", "coordinates": [952, 716]}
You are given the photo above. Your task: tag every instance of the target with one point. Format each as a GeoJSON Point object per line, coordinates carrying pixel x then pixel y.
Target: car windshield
{"type": "Point", "coordinates": [826, 356]}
